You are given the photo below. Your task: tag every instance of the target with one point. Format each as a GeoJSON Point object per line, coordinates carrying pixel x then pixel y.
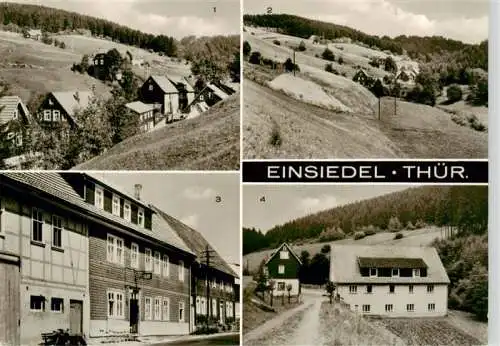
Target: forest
{"type": "Point", "coordinates": [464, 255]}
{"type": "Point", "coordinates": [426, 49]}
{"type": "Point", "coordinates": [54, 20]}
{"type": "Point", "coordinates": [464, 207]}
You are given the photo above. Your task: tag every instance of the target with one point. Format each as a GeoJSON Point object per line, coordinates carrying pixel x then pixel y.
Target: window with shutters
{"type": "Point", "coordinates": [99, 197]}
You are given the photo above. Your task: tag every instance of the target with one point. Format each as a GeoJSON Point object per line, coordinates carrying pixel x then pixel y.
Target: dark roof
{"type": "Point", "coordinates": [56, 186]}
{"type": "Point", "coordinates": [279, 249]}
{"type": "Point", "coordinates": [391, 262]}
{"type": "Point", "coordinates": [196, 242]}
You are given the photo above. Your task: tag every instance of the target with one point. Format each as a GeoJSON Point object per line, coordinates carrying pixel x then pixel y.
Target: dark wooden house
{"type": "Point", "coordinates": [283, 268]}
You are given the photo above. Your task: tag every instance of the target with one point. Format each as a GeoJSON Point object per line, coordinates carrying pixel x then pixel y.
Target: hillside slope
{"type": "Point", "coordinates": [208, 142]}
{"type": "Point", "coordinates": [307, 131]}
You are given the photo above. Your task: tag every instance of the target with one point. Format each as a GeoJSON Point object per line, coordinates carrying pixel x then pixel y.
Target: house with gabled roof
{"type": "Point", "coordinates": [60, 107]}
{"type": "Point", "coordinates": [394, 281]}
{"type": "Point", "coordinates": [171, 95]}
{"type": "Point", "coordinates": [145, 113]}
{"type": "Point", "coordinates": [95, 260]}
{"type": "Point", "coordinates": [214, 287]}
{"type": "Point", "coordinates": [283, 267]}
{"type": "Point", "coordinates": [14, 116]}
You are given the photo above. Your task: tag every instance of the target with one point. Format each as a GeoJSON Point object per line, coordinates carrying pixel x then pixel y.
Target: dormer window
{"type": "Point", "coordinates": [99, 197]}
{"type": "Point", "coordinates": [416, 272]}
{"type": "Point", "coordinates": [140, 217]}
{"type": "Point", "coordinates": [127, 215]}
{"type": "Point", "coordinates": [373, 271]}
{"type": "Point", "coordinates": [284, 254]}
{"type": "Point", "coordinates": [116, 205]}
{"type": "Point", "coordinates": [395, 271]}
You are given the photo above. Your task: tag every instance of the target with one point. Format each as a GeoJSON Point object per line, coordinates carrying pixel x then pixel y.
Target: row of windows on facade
{"type": "Point", "coordinates": [115, 206]}
{"type": "Point", "coordinates": [37, 303]}
{"type": "Point", "coordinates": [393, 272]}
{"type": "Point", "coordinates": [201, 307]}
{"type": "Point", "coordinates": [51, 115]}
{"type": "Point", "coordinates": [37, 228]}
{"type": "Point", "coordinates": [155, 308]}
{"type": "Point", "coordinates": [353, 289]}
{"type": "Point", "coordinates": [409, 307]}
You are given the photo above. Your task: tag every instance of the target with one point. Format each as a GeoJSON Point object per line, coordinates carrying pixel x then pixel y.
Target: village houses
{"type": "Point", "coordinates": [394, 281]}
{"type": "Point", "coordinates": [283, 266]}
{"type": "Point", "coordinates": [80, 254]}
{"type": "Point", "coordinates": [13, 110]}
{"type": "Point", "coordinates": [60, 107]}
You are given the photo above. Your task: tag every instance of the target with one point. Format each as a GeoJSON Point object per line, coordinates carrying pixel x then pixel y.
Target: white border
{"type": "Point", "coordinates": [494, 171]}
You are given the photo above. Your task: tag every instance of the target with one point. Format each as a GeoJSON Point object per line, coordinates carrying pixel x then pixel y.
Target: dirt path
{"type": "Point", "coordinates": [299, 326]}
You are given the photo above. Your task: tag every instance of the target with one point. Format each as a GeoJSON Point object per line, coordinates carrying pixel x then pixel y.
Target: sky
{"type": "Point", "coordinates": [465, 20]}
{"type": "Point", "coordinates": [287, 202]}
{"type": "Point", "coordinates": [177, 18]}
{"type": "Point", "coordinates": [192, 199]}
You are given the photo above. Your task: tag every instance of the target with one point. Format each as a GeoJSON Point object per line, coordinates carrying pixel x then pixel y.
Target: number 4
{"type": "Point", "coordinates": [262, 199]}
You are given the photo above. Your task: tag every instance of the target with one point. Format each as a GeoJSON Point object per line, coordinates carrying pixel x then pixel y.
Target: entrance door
{"type": "Point", "coordinates": [134, 312]}
{"type": "Point", "coordinates": [76, 316]}
{"type": "Point", "coordinates": [221, 312]}
{"type": "Point", "coordinates": [10, 302]}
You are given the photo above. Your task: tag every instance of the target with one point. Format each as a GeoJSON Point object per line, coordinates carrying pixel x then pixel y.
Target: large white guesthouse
{"type": "Point", "coordinates": [394, 281]}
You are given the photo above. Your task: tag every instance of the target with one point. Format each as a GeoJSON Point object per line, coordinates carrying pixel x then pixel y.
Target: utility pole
{"type": "Point", "coordinates": [294, 62]}
{"type": "Point", "coordinates": [206, 254]}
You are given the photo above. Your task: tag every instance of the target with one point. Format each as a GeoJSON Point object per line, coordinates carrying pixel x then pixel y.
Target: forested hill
{"type": "Point", "coordinates": [465, 207]}
{"type": "Point", "coordinates": [422, 48]}
{"type": "Point", "coordinates": [55, 20]}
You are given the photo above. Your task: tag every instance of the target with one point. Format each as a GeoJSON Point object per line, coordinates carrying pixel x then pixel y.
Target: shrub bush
{"type": "Point", "coordinates": [454, 93]}
{"type": "Point", "coordinates": [398, 236]}
{"type": "Point", "coordinates": [277, 42]}
{"type": "Point", "coordinates": [328, 55]}
{"type": "Point", "coordinates": [359, 235]}
{"type": "Point", "coordinates": [255, 58]}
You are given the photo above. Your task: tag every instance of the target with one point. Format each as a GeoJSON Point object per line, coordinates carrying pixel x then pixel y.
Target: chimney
{"type": "Point", "coordinates": [137, 191]}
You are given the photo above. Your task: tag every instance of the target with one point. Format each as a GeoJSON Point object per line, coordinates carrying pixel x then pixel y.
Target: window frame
{"type": "Point", "coordinates": [157, 308]}
{"type": "Point", "coordinates": [430, 288]}
{"type": "Point", "coordinates": [134, 263]}
{"type": "Point", "coordinates": [373, 275]}
{"type": "Point", "coordinates": [146, 306]}
{"type": "Point", "coordinates": [369, 289]}
{"type": "Point", "coordinates": [148, 257]}
{"type": "Point", "coordinates": [181, 273]}
{"type": "Point", "coordinates": [411, 289]}
{"type": "Point", "coordinates": [127, 211]}
{"type": "Point", "coordinates": [389, 308]}
{"type": "Point", "coordinates": [366, 308]}
{"type": "Point", "coordinates": [56, 115]}
{"type": "Point", "coordinates": [392, 289]}
{"type": "Point", "coordinates": [353, 289]}
{"type": "Point", "coordinates": [397, 272]}
{"type": "Point", "coordinates": [166, 266]}
{"type": "Point", "coordinates": [118, 304]}
{"type": "Point", "coordinates": [61, 300]}
{"type": "Point", "coordinates": [99, 203]}
{"type": "Point", "coordinates": [40, 299]}
{"type": "Point", "coordinates": [2, 214]}
{"type": "Point", "coordinates": [182, 307]}
{"type": "Point", "coordinates": [416, 272]}
{"type": "Point", "coordinates": [431, 307]}
{"type": "Point", "coordinates": [115, 207]}
{"type": "Point", "coordinates": [281, 269]}
{"type": "Point", "coordinates": [283, 253]}
{"type": "Point", "coordinates": [38, 222]}
{"type": "Point", "coordinates": [167, 317]}
{"type": "Point", "coordinates": [157, 263]}
{"type": "Point", "coordinates": [113, 256]}
{"type": "Point", "coordinates": [57, 228]}
{"type": "Point", "coordinates": [410, 307]}
{"type": "Point", "coordinates": [140, 217]}
{"type": "Point", "coordinates": [47, 115]}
